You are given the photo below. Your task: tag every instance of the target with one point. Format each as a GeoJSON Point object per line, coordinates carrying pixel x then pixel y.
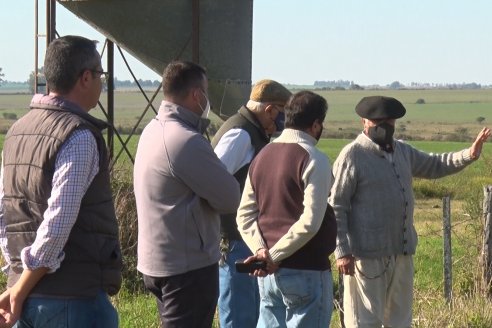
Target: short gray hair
{"type": "Point", "coordinates": [66, 59]}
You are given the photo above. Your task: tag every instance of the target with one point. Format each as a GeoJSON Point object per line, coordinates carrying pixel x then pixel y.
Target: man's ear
{"type": "Point", "coordinates": [313, 128]}
{"type": "Point", "coordinates": [85, 77]}
{"type": "Point", "coordinates": [269, 109]}
{"type": "Point", "coordinates": [195, 94]}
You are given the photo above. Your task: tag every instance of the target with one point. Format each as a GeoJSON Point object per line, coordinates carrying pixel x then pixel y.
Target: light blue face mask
{"type": "Point", "coordinates": [280, 122]}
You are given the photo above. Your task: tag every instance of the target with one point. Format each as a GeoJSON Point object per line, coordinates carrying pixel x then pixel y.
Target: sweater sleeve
{"type": "Point", "coordinates": [247, 219]}
{"type": "Point", "coordinates": [342, 191]}
{"type": "Point", "coordinates": [317, 180]}
{"type": "Point", "coordinates": [433, 166]}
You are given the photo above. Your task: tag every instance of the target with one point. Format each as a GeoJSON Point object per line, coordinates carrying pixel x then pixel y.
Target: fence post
{"type": "Point", "coordinates": [486, 259]}
{"type": "Point", "coordinates": [448, 270]}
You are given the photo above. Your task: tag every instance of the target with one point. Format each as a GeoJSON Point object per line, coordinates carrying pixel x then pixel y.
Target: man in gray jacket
{"type": "Point", "coordinates": [373, 202]}
{"type": "Point", "coordinates": [181, 187]}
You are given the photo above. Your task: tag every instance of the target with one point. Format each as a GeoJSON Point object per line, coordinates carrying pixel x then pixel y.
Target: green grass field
{"type": "Point", "coordinates": [444, 111]}
{"type": "Point", "coordinates": [430, 310]}
{"type": "Point", "coordinates": [445, 114]}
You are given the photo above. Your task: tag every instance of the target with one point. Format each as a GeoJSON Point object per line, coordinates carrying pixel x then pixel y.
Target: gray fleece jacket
{"type": "Point", "coordinates": [373, 199]}
{"type": "Point", "coordinates": [181, 187]}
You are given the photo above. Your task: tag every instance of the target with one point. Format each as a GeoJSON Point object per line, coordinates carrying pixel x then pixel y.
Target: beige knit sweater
{"type": "Point", "coordinates": [373, 199]}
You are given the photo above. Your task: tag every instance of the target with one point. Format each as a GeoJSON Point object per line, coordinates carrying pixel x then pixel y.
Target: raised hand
{"type": "Point", "coordinates": [476, 147]}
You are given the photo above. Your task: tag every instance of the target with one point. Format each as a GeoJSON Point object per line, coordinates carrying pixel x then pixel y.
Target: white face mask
{"type": "Point", "coordinates": [206, 110]}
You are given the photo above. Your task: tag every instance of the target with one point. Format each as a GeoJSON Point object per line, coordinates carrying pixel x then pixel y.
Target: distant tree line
{"type": "Point", "coordinates": [333, 84]}
{"type": "Point", "coordinates": [322, 85]}
{"type": "Point", "coordinates": [395, 85]}
{"type": "Point", "coordinates": [118, 84]}
{"type": "Point", "coordinates": [133, 84]}
{"type": "Point", "coordinates": [417, 85]}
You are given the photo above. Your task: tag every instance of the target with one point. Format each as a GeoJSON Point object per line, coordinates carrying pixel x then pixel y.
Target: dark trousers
{"type": "Point", "coordinates": [188, 299]}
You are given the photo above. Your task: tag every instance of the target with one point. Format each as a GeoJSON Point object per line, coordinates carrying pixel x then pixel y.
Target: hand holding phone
{"type": "Point", "coordinates": [250, 267]}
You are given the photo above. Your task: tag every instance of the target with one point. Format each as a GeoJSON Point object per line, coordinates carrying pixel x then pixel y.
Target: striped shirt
{"type": "Point", "coordinates": [76, 165]}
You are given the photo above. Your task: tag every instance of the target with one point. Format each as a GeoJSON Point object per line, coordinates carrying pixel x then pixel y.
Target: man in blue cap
{"type": "Point", "coordinates": [373, 202]}
{"type": "Point", "coordinates": [236, 143]}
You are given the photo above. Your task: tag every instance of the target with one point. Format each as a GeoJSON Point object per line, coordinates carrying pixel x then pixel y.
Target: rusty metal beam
{"type": "Point", "coordinates": [195, 31]}
{"type": "Point", "coordinates": [110, 85]}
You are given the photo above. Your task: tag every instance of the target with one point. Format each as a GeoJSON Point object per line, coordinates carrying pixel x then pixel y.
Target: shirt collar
{"type": "Point", "coordinates": [50, 102]}
{"type": "Point", "coordinates": [289, 135]}
{"type": "Point", "coordinates": [187, 116]}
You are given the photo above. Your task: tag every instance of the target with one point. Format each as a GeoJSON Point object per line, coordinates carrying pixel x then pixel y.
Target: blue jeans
{"type": "Point", "coordinates": [41, 312]}
{"type": "Point", "coordinates": [296, 298]}
{"type": "Point", "coordinates": [239, 300]}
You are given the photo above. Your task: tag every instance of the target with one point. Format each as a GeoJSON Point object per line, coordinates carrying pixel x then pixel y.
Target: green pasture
{"type": "Point", "coordinates": [441, 106]}
{"type": "Point", "coordinates": [138, 309]}
{"type": "Point", "coordinates": [458, 185]}
{"type": "Point", "coordinates": [430, 309]}
{"type": "Point", "coordinates": [441, 109]}
{"type": "Point", "coordinates": [446, 115]}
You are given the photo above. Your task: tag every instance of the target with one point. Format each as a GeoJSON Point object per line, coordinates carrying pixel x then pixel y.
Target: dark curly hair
{"type": "Point", "coordinates": [303, 108]}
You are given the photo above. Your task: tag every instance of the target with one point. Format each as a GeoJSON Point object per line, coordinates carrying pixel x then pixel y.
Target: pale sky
{"type": "Point", "coordinates": [299, 42]}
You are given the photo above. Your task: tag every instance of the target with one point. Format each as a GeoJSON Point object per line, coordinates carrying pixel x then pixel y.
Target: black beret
{"type": "Point", "coordinates": [379, 107]}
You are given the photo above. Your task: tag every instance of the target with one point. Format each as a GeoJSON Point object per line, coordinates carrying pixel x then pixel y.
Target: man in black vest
{"type": "Point", "coordinates": [58, 229]}
{"type": "Point", "coordinates": [236, 143]}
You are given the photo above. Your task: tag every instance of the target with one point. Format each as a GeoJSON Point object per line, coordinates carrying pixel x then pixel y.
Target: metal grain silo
{"type": "Point", "coordinates": [215, 33]}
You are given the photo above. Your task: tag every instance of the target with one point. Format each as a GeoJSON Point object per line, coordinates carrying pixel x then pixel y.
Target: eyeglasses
{"type": "Point", "coordinates": [102, 74]}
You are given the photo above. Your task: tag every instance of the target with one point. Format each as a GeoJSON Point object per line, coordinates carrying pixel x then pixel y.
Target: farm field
{"type": "Point", "coordinates": [430, 309]}
{"type": "Point", "coordinates": [446, 122]}
{"type": "Point", "coordinates": [445, 115]}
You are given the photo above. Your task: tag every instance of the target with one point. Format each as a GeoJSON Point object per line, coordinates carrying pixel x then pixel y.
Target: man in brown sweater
{"type": "Point", "coordinates": [285, 220]}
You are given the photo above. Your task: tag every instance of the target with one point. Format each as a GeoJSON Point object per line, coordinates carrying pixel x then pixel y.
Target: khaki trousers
{"type": "Point", "coordinates": [380, 293]}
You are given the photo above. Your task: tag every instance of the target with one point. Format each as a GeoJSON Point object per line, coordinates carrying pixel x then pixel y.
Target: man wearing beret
{"type": "Point", "coordinates": [373, 202]}
{"type": "Point", "coordinates": [236, 143]}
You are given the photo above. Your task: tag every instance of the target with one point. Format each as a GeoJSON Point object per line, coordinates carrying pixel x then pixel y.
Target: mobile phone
{"type": "Point", "coordinates": [250, 267]}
